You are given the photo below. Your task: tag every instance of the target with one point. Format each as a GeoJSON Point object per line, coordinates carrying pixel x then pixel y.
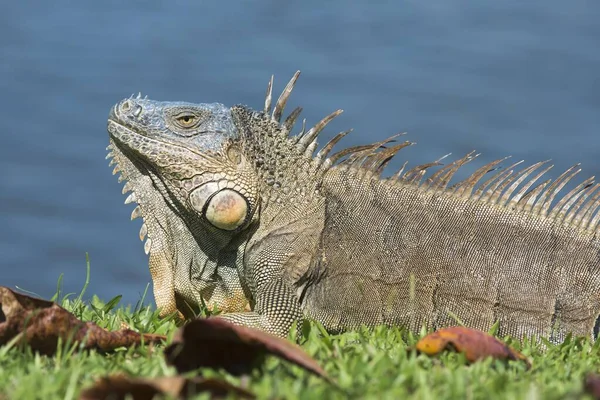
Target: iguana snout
{"type": "Point", "coordinates": [202, 127]}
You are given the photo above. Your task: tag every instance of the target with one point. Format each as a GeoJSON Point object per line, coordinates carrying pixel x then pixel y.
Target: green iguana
{"type": "Point", "coordinates": [241, 215]}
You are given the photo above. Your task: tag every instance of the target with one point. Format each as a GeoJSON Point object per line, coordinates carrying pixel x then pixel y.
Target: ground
{"type": "Point", "coordinates": [367, 364]}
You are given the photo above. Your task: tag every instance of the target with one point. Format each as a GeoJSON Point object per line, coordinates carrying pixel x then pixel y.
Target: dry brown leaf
{"type": "Point", "coordinates": [473, 343]}
{"type": "Point", "coordinates": [216, 343]}
{"type": "Point", "coordinates": [41, 323]}
{"type": "Point", "coordinates": [592, 385]}
{"type": "Point", "coordinates": [121, 387]}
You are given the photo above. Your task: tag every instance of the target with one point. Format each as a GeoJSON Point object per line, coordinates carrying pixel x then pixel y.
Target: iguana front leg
{"type": "Point", "coordinates": [276, 305]}
{"type": "Point", "coordinates": [276, 309]}
{"type": "Point", "coordinates": [276, 260]}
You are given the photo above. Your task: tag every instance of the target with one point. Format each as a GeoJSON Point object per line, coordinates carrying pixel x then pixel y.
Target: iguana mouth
{"type": "Point", "coordinates": [120, 131]}
{"type": "Point", "coordinates": [127, 134]}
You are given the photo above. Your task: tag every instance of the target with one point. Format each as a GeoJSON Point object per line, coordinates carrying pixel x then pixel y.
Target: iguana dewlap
{"type": "Point", "coordinates": [240, 215]}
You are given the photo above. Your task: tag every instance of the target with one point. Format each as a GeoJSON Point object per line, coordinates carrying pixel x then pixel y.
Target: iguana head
{"type": "Point", "coordinates": [195, 192]}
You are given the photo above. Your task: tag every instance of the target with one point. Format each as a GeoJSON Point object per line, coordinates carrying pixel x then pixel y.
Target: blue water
{"type": "Point", "coordinates": [510, 77]}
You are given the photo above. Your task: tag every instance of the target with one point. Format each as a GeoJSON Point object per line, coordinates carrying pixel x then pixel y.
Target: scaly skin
{"type": "Point", "coordinates": [242, 216]}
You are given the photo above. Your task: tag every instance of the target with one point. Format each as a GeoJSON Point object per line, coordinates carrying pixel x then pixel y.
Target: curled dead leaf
{"type": "Point", "coordinates": [591, 385]}
{"type": "Point", "coordinates": [216, 343]}
{"type": "Point", "coordinates": [473, 343]}
{"type": "Point", "coordinates": [40, 324]}
{"type": "Point", "coordinates": [121, 387]}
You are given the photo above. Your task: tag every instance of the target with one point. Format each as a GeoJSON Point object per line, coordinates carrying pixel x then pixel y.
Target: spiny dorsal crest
{"type": "Point", "coordinates": [507, 187]}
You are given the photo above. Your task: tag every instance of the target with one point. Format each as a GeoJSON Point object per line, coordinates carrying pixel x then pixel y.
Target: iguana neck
{"type": "Point", "coordinates": [286, 175]}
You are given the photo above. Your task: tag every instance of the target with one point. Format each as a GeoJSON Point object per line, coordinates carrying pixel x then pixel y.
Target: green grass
{"type": "Point", "coordinates": [371, 364]}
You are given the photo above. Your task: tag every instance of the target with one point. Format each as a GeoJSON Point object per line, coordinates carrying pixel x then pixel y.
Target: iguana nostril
{"type": "Point", "coordinates": [137, 111]}
{"type": "Point", "coordinates": [125, 106]}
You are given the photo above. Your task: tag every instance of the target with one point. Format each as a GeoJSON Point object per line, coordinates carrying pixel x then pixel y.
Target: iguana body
{"type": "Point", "coordinates": [240, 214]}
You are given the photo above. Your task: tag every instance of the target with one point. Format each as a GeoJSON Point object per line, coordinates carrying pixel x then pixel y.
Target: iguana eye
{"type": "Point", "coordinates": [187, 120]}
{"type": "Point", "coordinates": [225, 209]}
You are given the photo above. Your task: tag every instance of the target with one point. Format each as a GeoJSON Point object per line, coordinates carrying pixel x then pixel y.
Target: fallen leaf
{"type": "Point", "coordinates": [40, 324]}
{"type": "Point", "coordinates": [216, 343]}
{"type": "Point", "coordinates": [473, 343]}
{"type": "Point", "coordinates": [121, 387]}
{"type": "Point", "coordinates": [592, 385]}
